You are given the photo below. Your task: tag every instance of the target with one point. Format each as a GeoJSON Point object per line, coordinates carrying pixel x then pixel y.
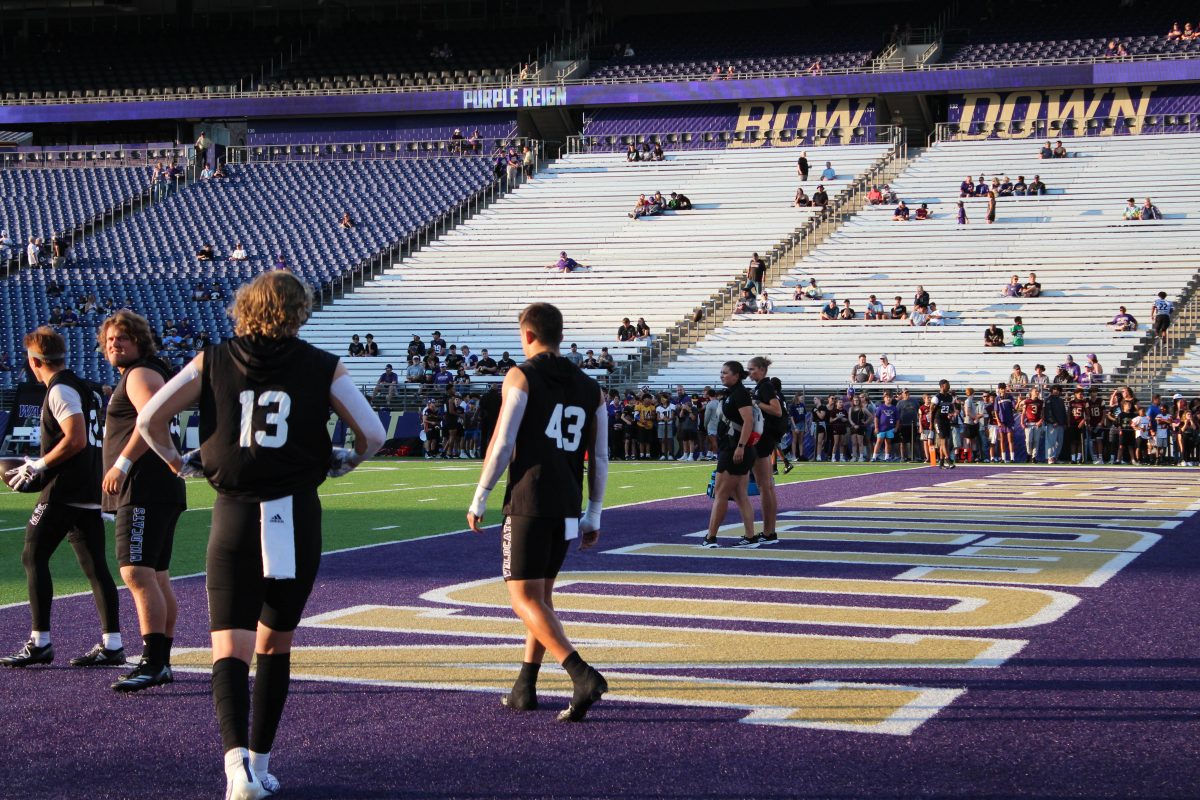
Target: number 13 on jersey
{"type": "Point", "coordinates": [276, 419]}
{"type": "Point", "coordinates": [566, 427]}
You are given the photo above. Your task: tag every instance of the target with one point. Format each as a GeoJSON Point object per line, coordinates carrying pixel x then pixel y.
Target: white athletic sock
{"type": "Point", "coordinates": [40, 638]}
{"type": "Point", "coordinates": [111, 641]}
{"type": "Point", "coordinates": [260, 762]}
{"type": "Point", "coordinates": [234, 759]}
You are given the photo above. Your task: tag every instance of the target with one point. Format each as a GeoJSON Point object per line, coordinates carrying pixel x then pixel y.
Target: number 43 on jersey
{"type": "Point", "coordinates": [566, 427]}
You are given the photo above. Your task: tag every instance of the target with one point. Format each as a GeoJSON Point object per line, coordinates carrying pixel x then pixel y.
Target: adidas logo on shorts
{"type": "Point", "coordinates": [276, 519]}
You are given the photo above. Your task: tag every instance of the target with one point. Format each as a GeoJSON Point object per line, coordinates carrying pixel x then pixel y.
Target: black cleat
{"type": "Point", "coordinates": [29, 655]}
{"type": "Point", "coordinates": [772, 539]}
{"type": "Point", "coordinates": [144, 676]}
{"type": "Point", "coordinates": [100, 656]}
{"type": "Point", "coordinates": [520, 701]}
{"type": "Point", "coordinates": [788, 466]}
{"type": "Point", "coordinates": [750, 543]}
{"type": "Point", "coordinates": [706, 542]}
{"type": "Point", "coordinates": [587, 692]}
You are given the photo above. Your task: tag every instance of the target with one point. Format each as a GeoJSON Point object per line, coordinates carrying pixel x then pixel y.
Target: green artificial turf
{"type": "Point", "coordinates": [386, 500]}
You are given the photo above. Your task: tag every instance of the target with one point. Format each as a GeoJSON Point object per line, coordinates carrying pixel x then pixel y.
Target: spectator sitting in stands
{"type": "Point", "coordinates": [643, 330]}
{"type": "Point", "coordinates": [632, 154]}
{"type": "Point", "coordinates": [625, 331]}
{"type": "Point", "coordinates": [828, 173]}
{"type": "Point", "coordinates": [219, 172]}
{"type": "Point", "coordinates": [69, 318]}
{"type": "Point", "coordinates": [815, 69]}
{"type": "Point", "coordinates": [1017, 379]}
{"type": "Point", "coordinates": [901, 213]}
{"type": "Point", "coordinates": [437, 344]}
{"type": "Point", "coordinates": [861, 371]}
{"type": "Point", "coordinates": [1006, 188]}
{"type": "Point", "coordinates": [1092, 369]}
{"type": "Point", "coordinates": [716, 76]}
{"type": "Point", "coordinates": [1072, 369]}
{"type": "Point", "coordinates": [346, 222]}
{"type": "Point", "coordinates": [370, 348]}
{"type": "Point", "coordinates": [589, 361]}
{"type": "Point", "coordinates": [1036, 187]}
{"type": "Point", "coordinates": [239, 253]}
{"type": "Point", "coordinates": [356, 347]}
{"type": "Point", "coordinates": [874, 197]}
{"type": "Point", "coordinates": [966, 188]}
{"type": "Point", "coordinates": [1175, 32]}
{"type": "Point", "coordinates": [1189, 32]}
{"type": "Point", "coordinates": [416, 347]}
{"type": "Point", "coordinates": [205, 253]}
{"type": "Point", "coordinates": [573, 355]}
{"type": "Point", "coordinates": [281, 263]}
{"type": "Point", "coordinates": [461, 377]}
{"type": "Point", "coordinates": [993, 336]}
{"type": "Point", "coordinates": [679, 202]}
{"type": "Point", "coordinates": [567, 264]}
{"type": "Point", "coordinates": [995, 186]}
{"type": "Point", "coordinates": [657, 153]}
{"type": "Point", "coordinates": [1063, 375]}
{"type": "Point", "coordinates": [746, 304]}
{"type": "Point", "coordinates": [206, 173]}
{"type": "Point", "coordinates": [1059, 150]}
{"type": "Point", "coordinates": [923, 211]}
{"type": "Point", "coordinates": [641, 208]}
{"type": "Point", "coordinates": [486, 365]}
{"type": "Point", "coordinates": [936, 318]}
{"type": "Point", "coordinates": [659, 202]}
{"type": "Point", "coordinates": [606, 360]}
{"type": "Point", "coordinates": [1047, 151]}
{"type": "Point", "coordinates": [888, 195]}
{"type": "Point", "coordinates": [1032, 287]}
{"type": "Point", "coordinates": [505, 363]}
{"type": "Point", "coordinates": [646, 153]}
{"type": "Point", "coordinates": [199, 292]}
{"type": "Point", "coordinates": [801, 200]}
{"type": "Point", "coordinates": [730, 73]}
{"type": "Point", "coordinates": [921, 298]}
{"type": "Point", "coordinates": [874, 309]}
{"type": "Point", "coordinates": [765, 304]}
{"type": "Point", "coordinates": [812, 291]}
{"type": "Point", "coordinates": [920, 316]}
{"type": "Point", "coordinates": [1149, 211]}
{"type": "Point", "coordinates": [1122, 52]}
{"type": "Point", "coordinates": [1020, 189]}
{"type": "Point", "coordinates": [386, 384]}
{"type": "Point", "coordinates": [981, 187]}
{"type": "Point", "coordinates": [830, 310]}
{"type": "Point", "coordinates": [443, 376]}
{"type": "Point", "coordinates": [847, 312]}
{"type": "Point", "coordinates": [1131, 210]}
{"type": "Point", "coordinates": [887, 370]}
{"type": "Point", "coordinates": [1013, 289]}
{"type": "Point", "coordinates": [898, 310]}
{"type": "Point", "coordinates": [1123, 321]}
{"type": "Point", "coordinates": [820, 197]}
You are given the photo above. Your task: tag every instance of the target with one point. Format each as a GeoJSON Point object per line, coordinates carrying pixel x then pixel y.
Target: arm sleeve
{"type": "Point", "coordinates": [64, 403]}
{"type": "Point", "coordinates": [361, 416]}
{"type": "Point", "coordinates": [598, 470]}
{"type": "Point", "coordinates": [164, 448]}
{"type": "Point", "coordinates": [505, 442]}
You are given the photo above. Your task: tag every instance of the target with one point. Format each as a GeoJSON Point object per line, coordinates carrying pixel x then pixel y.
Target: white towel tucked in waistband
{"type": "Point", "coordinates": [572, 528]}
{"type": "Point", "coordinates": [278, 538]}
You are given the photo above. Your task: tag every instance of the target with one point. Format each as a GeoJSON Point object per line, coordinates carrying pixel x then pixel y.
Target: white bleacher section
{"type": "Point", "coordinates": [472, 282]}
{"type": "Point", "coordinates": [1186, 374]}
{"type": "Point", "coordinates": [1087, 259]}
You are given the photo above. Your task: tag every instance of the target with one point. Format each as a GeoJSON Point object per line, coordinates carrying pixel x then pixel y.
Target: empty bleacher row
{"type": "Point", "coordinates": [471, 283]}
{"type": "Point", "coordinates": [148, 259]}
{"type": "Point", "coordinates": [1088, 260]}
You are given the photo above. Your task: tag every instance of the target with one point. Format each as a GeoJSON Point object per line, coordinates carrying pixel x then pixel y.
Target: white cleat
{"type": "Point", "coordinates": [245, 786]}
{"type": "Point", "coordinates": [270, 784]}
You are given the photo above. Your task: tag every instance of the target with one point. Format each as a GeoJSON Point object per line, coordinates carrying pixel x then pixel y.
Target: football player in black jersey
{"type": "Point", "coordinates": [945, 410]}
{"type": "Point", "coordinates": [264, 446]}
{"type": "Point", "coordinates": [68, 475]}
{"type": "Point", "coordinates": [551, 416]}
{"type": "Point", "coordinates": [143, 493]}
{"type": "Point", "coordinates": [770, 402]}
{"type": "Point", "coordinates": [735, 456]}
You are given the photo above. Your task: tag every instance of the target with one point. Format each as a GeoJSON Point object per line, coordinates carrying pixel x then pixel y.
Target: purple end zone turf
{"type": "Point", "coordinates": [1104, 702]}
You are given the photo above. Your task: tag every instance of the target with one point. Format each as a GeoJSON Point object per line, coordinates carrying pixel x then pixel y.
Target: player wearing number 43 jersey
{"type": "Point", "coordinates": [264, 446]}
{"type": "Point", "coordinates": [68, 476]}
{"type": "Point", "coordinates": [551, 416]}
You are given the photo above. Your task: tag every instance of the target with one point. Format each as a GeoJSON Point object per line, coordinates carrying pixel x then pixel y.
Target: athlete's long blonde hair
{"type": "Point", "coordinates": [274, 305]}
{"type": "Point", "coordinates": [133, 325]}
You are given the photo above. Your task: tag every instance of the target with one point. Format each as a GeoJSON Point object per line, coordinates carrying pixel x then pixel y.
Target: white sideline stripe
{"type": "Point", "coordinates": [446, 533]}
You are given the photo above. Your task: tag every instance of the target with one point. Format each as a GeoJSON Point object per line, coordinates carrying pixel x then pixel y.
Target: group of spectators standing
{"type": "Point", "coordinates": [510, 165]}
{"type": "Point", "coordinates": [40, 251]}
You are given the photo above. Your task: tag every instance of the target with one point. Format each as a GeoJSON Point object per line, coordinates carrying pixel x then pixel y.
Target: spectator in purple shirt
{"type": "Point", "coordinates": [1123, 321]}
{"type": "Point", "coordinates": [886, 416]}
{"type": "Point", "coordinates": [1072, 369]}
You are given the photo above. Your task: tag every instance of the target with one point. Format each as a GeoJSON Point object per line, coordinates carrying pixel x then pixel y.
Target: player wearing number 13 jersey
{"type": "Point", "coordinates": [264, 401]}
{"type": "Point", "coordinates": [550, 417]}
{"type": "Point", "coordinates": [68, 473]}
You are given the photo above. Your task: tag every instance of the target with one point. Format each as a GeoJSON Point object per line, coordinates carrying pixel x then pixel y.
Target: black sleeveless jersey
{"type": "Point", "coordinates": [736, 398]}
{"type": "Point", "coordinates": [76, 480]}
{"type": "Point", "coordinates": [150, 481]}
{"type": "Point", "coordinates": [264, 414]}
{"type": "Point", "coordinates": [765, 392]}
{"type": "Point", "coordinates": [545, 478]}
{"type": "Point", "coordinates": [944, 408]}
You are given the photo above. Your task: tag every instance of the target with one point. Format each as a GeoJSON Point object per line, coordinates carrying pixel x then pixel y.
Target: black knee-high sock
{"type": "Point", "coordinates": [154, 649]}
{"type": "Point", "coordinates": [231, 697]}
{"type": "Point", "coordinates": [270, 693]}
{"type": "Point", "coordinates": [167, 642]}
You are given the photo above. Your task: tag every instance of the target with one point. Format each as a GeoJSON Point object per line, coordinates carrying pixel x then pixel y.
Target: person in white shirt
{"type": "Point", "coordinates": [31, 252]}
{"type": "Point", "coordinates": [765, 304]}
{"type": "Point", "coordinates": [665, 413]}
{"type": "Point", "coordinates": [887, 370]}
{"type": "Point", "coordinates": [239, 253]}
{"type": "Point", "coordinates": [919, 318]}
{"type": "Point", "coordinates": [874, 309]}
{"type": "Point", "coordinates": [935, 316]}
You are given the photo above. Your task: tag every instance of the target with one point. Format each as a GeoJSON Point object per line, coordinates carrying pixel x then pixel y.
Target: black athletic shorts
{"type": "Point", "coordinates": [904, 433]}
{"type": "Point", "coordinates": [239, 597]}
{"type": "Point", "coordinates": [145, 535]}
{"type": "Point", "coordinates": [645, 435]}
{"type": "Point", "coordinates": [533, 548]}
{"type": "Point", "coordinates": [725, 462]}
{"type": "Point", "coordinates": [1161, 322]}
{"type": "Point", "coordinates": [766, 445]}
{"type": "Point", "coordinates": [945, 432]}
